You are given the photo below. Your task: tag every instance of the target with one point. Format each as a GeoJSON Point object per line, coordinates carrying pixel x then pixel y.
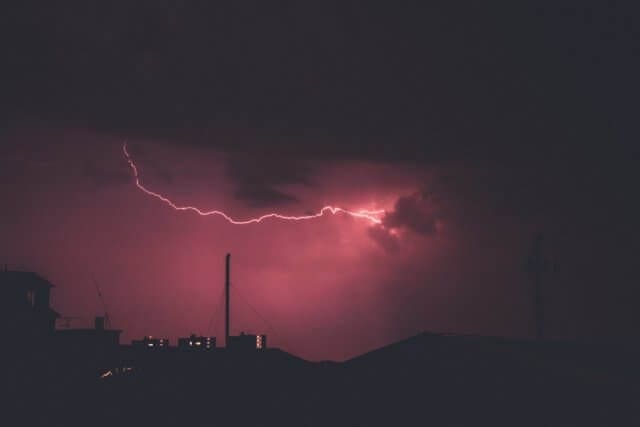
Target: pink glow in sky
{"type": "Point", "coordinates": [330, 287]}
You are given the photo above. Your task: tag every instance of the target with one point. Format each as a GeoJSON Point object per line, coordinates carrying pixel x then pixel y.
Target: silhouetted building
{"type": "Point", "coordinates": [98, 339]}
{"type": "Point", "coordinates": [195, 343]}
{"type": "Point", "coordinates": [151, 343]}
{"type": "Point", "coordinates": [24, 304]}
{"type": "Point", "coordinates": [247, 342]}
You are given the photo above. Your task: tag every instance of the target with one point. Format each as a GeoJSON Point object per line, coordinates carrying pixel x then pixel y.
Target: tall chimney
{"type": "Point", "coordinates": [226, 303]}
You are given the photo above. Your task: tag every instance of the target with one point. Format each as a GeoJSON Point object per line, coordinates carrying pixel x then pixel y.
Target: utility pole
{"type": "Point", "coordinates": [227, 284]}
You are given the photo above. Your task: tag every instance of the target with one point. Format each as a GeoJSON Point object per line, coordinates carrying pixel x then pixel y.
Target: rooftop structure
{"type": "Point", "coordinates": [197, 343]}
{"type": "Point", "coordinates": [24, 304]}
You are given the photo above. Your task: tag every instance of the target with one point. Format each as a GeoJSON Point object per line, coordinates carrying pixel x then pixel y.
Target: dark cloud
{"type": "Point", "coordinates": [319, 83]}
{"type": "Point", "coordinates": [257, 178]}
{"type": "Point", "coordinates": [434, 81]}
{"type": "Point", "coordinates": [262, 196]}
{"type": "Point", "coordinates": [415, 212]}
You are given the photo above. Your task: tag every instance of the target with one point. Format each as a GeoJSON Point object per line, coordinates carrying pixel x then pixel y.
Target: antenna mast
{"type": "Point", "coordinates": [227, 285]}
{"type": "Point", "coordinates": [104, 306]}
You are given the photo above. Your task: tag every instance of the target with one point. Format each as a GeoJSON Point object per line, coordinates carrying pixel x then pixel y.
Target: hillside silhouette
{"type": "Point", "coordinates": [427, 379]}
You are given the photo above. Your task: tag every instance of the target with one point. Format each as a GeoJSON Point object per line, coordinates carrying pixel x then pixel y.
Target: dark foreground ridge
{"type": "Point", "coordinates": [84, 377]}
{"type": "Point", "coordinates": [428, 379]}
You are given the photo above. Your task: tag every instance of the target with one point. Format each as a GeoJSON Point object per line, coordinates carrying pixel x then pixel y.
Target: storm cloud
{"type": "Point", "coordinates": [415, 212]}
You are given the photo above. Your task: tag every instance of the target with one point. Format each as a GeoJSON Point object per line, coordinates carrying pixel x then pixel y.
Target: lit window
{"type": "Point", "coordinates": [150, 344]}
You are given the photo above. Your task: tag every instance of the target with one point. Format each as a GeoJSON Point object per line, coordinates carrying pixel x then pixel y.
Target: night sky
{"type": "Point", "coordinates": [474, 126]}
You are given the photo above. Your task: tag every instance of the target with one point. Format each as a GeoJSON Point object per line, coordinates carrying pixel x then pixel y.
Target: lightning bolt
{"type": "Point", "coordinates": [373, 216]}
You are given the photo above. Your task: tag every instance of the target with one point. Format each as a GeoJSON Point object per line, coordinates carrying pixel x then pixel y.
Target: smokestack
{"type": "Point", "coordinates": [226, 303]}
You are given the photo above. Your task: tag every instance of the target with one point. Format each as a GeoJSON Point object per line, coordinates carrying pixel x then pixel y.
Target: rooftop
{"type": "Point", "coordinates": [25, 279]}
